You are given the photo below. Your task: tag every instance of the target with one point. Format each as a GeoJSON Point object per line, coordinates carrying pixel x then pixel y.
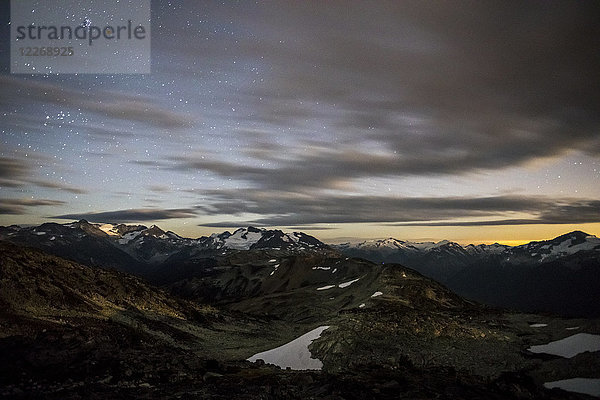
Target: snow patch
{"type": "Point", "coordinates": [294, 354]}
{"type": "Point", "coordinates": [567, 248]}
{"type": "Point", "coordinates": [570, 346]}
{"type": "Point", "coordinates": [346, 284]}
{"type": "Point", "coordinates": [274, 269]}
{"type": "Point", "coordinates": [129, 236]}
{"type": "Point", "coordinates": [376, 294]}
{"type": "Point", "coordinates": [578, 385]}
{"type": "Point", "coordinates": [572, 328]}
{"type": "Point", "coordinates": [362, 305]}
{"type": "Point", "coordinates": [323, 268]}
{"type": "Point", "coordinates": [108, 229]}
{"type": "Point", "coordinates": [39, 233]}
{"type": "Point", "coordinates": [242, 239]}
{"type": "Point", "coordinates": [326, 287]}
{"type": "Point", "coordinates": [537, 325]}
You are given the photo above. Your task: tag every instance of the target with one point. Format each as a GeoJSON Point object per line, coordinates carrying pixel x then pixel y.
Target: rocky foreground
{"type": "Point", "coordinates": [69, 331]}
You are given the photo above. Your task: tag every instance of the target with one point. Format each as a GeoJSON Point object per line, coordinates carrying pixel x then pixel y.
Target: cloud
{"type": "Point", "coordinates": [281, 209]}
{"type": "Point", "coordinates": [19, 172]}
{"type": "Point", "coordinates": [228, 225]}
{"type": "Point", "coordinates": [131, 215]}
{"type": "Point", "coordinates": [109, 104]}
{"type": "Point", "coordinates": [439, 89]}
{"type": "Point", "coordinates": [59, 186]}
{"type": "Point", "coordinates": [302, 102]}
{"type": "Point", "coordinates": [19, 206]}
{"type": "Point", "coordinates": [311, 228]}
{"type": "Point", "coordinates": [159, 188]}
{"type": "Point", "coordinates": [12, 171]}
{"type": "Point", "coordinates": [235, 225]}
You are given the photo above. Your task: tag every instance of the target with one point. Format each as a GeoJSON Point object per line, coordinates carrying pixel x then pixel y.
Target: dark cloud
{"type": "Point", "coordinates": [291, 100]}
{"type": "Point", "coordinates": [12, 171]}
{"type": "Point", "coordinates": [108, 104]}
{"type": "Point", "coordinates": [229, 225]}
{"type": "Point", "coordinates": [280, 209]}
{"type": "Point", "coordinates": [132, 215]}
{"type": "Point", "coordinates": [440, 88]}
{"type": "Point", "coordinates": [19, 206]}
{"type": "Point", "coordinates": [235, 225]}
{"type": "Point", "coordinates": [311, 228]}
{"type": "Point", "coordinates": [58, 186]}
{"type": "Point", "coordinates": [550, 213]}
{"type": "Point", "coordinates": [18, 172]}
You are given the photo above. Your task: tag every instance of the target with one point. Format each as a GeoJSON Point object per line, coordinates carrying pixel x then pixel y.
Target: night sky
{"type": "Point", "coordinates": [471, 121]}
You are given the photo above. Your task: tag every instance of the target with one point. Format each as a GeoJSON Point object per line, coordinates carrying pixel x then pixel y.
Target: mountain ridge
{"type": "Point", "coordinates": [529, 277]}
{"type": "Point", "coordinates": [130, 247]}
{"type": "Point", "coordinates": [526, 277]}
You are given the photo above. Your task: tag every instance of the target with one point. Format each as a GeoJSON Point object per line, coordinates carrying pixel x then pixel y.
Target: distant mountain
{"type": "Point", "coordinates": [561, 275]}
{"type": "Point", "coordinates": [548, 250]}
{"type": "Point", "coordinates": [138, 249]}
{"type": "Point", "coordinates": [253, 238]}
{"type": "Point", "coordinates": [437, 260]}
{"type": "Point", "coordinates": [78, 241]}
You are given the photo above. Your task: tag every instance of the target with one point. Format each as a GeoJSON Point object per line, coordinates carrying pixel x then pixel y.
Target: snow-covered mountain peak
{"type": "Point", "coordinates": [109, 229]}
{"type": "Point", "coordinates": [382, 243]}
{"type": "Point", "coordinates": [392, 244]}
{"type": "Point", "coordinates": [564, 245]}
{"type": "Point", "coordinates": [253, 238]}
{"type": "Point", "coordinates": [153, 231]}
{"type": "Point", "coordinates": [241, 239]}
{"type": "Point", "coordinates": [495, 248]}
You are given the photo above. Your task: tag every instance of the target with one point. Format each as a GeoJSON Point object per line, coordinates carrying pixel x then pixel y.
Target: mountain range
{"type": "Point", "coordinates": [138, 249]}
{"type": "Point", "coordinates": [561, 275]}
{"type": "Point", "coordinates": [72, 330]}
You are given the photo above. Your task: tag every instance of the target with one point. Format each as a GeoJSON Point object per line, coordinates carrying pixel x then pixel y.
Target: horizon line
{"type": "Point", "coordinates": [331, 241]}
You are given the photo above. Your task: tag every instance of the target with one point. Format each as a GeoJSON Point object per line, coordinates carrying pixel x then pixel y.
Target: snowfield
{"type": "Point", "coordinates": [294, 354]}
{"type": "Point", "coordinates": [570, 346]}
{"type": "Point", "coordinates": [242, 239]}
{"type": "Point", "coordinates": [577, 385]}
